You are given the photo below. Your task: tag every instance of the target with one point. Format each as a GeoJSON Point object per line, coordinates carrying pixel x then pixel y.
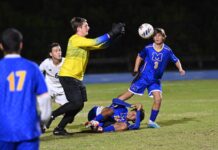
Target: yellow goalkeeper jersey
{"type": "Point", "coordinates": [77, 54]}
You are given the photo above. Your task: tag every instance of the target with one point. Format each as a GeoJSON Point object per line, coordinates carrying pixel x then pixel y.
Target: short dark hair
{"type": "Point", "coordinates": [77, 22]}
{"type": "Point", "coordinates": [54, 44]}
{"type": "Point", "coordinates": [142, 113]}
{"type": "Point", "coordinates": [11, 39]}
{"type": "Point", "coordinates": [161, 31]}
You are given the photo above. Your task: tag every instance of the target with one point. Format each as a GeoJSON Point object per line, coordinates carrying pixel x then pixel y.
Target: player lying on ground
{"type": "Point", "coordinates": [116, 117]}
{"type": "Point", "coordinates": [150, 65]}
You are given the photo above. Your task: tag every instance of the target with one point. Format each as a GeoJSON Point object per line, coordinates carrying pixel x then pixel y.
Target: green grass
{"type": "Point", "coordinates": [188, 120]}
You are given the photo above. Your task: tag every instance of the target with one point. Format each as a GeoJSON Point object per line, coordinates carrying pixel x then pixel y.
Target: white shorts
{"type": "Point", "coordinates": [58, 96]}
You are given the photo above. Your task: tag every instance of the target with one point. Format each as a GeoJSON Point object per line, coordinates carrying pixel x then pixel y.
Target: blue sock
{"type": "Point", "coordinates": [154, 114]}
{"type": "Point", "coordinates": [109, 129]}
{"type": "Point", "coordinates": [99, 117]}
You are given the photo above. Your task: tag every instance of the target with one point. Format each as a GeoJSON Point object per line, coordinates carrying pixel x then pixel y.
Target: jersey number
{"type": "Point", "coordinates": [156, 65]}
{"type": "Point", "coordinates": [11, 79]}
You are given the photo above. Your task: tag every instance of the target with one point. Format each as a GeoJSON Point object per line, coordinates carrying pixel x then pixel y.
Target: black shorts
{"type": "Point", "coordinates": [74, 89]}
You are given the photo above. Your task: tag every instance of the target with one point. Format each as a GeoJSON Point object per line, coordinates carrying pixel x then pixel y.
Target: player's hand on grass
{"type": "Point", "coordinates": [182, 72]}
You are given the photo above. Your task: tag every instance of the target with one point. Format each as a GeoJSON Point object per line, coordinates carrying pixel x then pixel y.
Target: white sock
{"type": "Point", "coordinates": [150, 122]}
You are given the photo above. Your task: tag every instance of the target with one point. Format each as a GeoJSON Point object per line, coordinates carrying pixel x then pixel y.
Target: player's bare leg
{"type": "Point", "coordinates": [155, 109]}
{"type": "Point", "coordinates": [126, 95]}
{"type": "Point", "coordinates": [157, 100]}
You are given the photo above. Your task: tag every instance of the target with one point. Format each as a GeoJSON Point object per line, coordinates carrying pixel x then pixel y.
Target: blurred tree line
{"type": "Point", "coordinates": [191, 28]}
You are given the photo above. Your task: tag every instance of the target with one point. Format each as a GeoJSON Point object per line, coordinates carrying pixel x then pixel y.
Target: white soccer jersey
{"type": "Point", "coordinates": [51, 73]}
{"type": "Point", "coordinates": [55, 89]}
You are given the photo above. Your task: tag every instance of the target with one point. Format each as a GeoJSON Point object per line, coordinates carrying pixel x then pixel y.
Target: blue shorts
{"type": "Point", "coordinates": [139, 85]}
{"type": "Point", "coordinates": [22, 145]}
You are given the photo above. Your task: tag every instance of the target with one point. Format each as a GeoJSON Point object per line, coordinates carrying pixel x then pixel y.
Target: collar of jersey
{"type": "Point", "coordinates": [12, 56]}
{"type": "Point", "coordinates": [161, 48]}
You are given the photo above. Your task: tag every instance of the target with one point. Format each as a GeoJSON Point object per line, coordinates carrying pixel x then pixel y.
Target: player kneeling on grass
{"type": "Point", "coordinates": [116, 117]}
{"type": "Point", "coordinates": [149, 67]}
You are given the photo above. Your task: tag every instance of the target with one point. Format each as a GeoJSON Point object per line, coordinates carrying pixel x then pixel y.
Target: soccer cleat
{"type": "Point", "coordinates": [43, 128]}
{"type": "Point", "coordinates": [153, 125]}
{"type": "Point", "coordinates": [49, 122]}
{"type": "Point", "coordinates": [60, 131]}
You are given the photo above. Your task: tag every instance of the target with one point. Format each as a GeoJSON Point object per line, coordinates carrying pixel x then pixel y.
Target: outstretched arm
{"type": "Point", "coordinates": [117, 101]}
{"type": "Point", "coordinates": [179, 66]}
{"type": "Point", "coordinates": [102, 41]}
{"type": "Point", "coordinates": [137, 64]}
{"type": "Point", "coordinates": [90, 43]}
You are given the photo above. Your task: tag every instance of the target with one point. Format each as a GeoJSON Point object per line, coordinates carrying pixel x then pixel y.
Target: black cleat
{"type": "Point", "coordinates": [49, 122]}
{"type": "Point", "coordinates": [43, 128]}
{"type": "Point", "coordinates": [59, 131]}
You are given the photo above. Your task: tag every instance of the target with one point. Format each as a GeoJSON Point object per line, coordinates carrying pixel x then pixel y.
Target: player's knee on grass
{"type": "Point", "coordinates": [120, 126]}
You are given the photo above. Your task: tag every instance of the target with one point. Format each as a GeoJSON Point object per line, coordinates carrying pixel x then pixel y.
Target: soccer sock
{"type": "Point", "coordinates": [99, 117]}
{"type": "Point", "coordinates": [109, 129]}
{"type": "Point", "coordinates": [154, 114]}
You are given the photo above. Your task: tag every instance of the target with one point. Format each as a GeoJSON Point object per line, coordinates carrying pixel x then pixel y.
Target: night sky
{"type": "Point", "coordinates": [191, 28]}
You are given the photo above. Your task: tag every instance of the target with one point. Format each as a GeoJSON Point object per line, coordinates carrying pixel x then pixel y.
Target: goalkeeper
{"type": "Point", "coordinates": [72, 71]}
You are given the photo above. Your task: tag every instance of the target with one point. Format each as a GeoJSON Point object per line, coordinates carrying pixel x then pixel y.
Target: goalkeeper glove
{"type": "Point", "coordinates": [117, 29]}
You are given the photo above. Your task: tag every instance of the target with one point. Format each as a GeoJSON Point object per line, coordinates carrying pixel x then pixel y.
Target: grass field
{"type": "Point", "coordinates": [188, 120]}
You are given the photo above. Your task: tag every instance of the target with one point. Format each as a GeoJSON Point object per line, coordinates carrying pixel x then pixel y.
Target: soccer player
{"type": "Point", "coordinates": [73, 69]}
{"type": "Point", "coordinates": [50, 67]}
{"type": "Point", "coordinates": [149, 67]}
{"type": "Point", "coordinates": [21, 81]}
{"type": "Point", "coordinates": [116, 117]}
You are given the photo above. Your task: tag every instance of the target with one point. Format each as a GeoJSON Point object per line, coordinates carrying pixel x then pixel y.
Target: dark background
{"type": "Point", "coordinates": [191, 28]}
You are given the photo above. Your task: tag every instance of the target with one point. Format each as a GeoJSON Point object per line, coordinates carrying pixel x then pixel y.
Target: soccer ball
{"type": "Point", "coordinates": [146, 30]}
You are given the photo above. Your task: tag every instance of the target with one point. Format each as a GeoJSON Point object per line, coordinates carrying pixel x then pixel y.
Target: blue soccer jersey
{"type": "Point", "coordinates": [120, 113]}
{"type": "Point", "coordinates": [21, 81]}
{"type": "Point", "coordinates": [155, 62]}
